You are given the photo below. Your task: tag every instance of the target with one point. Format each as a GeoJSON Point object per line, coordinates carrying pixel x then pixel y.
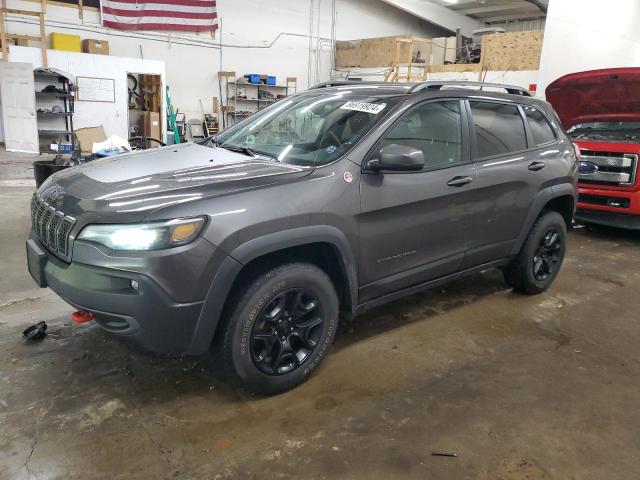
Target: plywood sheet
{"type": "Point", "coordinates": [513, 50]}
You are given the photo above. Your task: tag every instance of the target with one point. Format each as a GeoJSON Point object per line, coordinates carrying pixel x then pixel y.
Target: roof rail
{"type": "Point", "coordinates": [437, 85]}
{"type": "Point", "coordinates": [340, 83]}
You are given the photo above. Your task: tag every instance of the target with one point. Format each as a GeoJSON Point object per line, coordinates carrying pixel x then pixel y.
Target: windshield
{"type": "Point", "coordinates": [613, 131]}
{"type": "Point", "coordinates": [308, 130]}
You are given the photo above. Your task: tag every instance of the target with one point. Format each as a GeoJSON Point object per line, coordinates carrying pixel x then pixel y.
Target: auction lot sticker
{"type": "Point", "coordinates": [374, 108]}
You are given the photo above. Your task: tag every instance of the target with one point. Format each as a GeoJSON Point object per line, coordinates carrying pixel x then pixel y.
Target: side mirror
{"type": "Point", "coordinates": [398, 158]}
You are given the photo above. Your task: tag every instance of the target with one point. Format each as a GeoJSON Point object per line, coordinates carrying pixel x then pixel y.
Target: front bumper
{"type": "Point", "coordinates": [148, 313]}
{"type": "Point", "coordinates": [613, 208]}
{"type": "Point", "coordinates": [609, 219]}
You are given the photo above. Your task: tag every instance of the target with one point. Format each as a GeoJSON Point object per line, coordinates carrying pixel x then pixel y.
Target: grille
{"type": "Point", "coordinates": [613, 168]}
{"type": "Point", "coordinates": [51, 226]}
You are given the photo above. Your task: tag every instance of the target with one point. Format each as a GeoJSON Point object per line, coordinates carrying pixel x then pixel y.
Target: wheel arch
{"type": "Point", "coordinates": [323, 245]}
{"type": "Point", "coordinates": [559, 198]}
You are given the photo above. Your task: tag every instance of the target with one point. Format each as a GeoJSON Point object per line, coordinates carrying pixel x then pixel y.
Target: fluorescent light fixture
{"type": "Point", "coordinates": [450, 1]}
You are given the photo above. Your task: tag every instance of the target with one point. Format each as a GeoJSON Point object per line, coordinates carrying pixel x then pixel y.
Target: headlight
{"type": "Point", "coordinates": [144, 236]}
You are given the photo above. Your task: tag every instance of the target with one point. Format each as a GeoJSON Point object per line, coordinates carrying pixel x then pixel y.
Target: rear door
{"type": "Point", "coordinates": [512, 167]}
{"type": "Point", "coordinates": [413, 225]}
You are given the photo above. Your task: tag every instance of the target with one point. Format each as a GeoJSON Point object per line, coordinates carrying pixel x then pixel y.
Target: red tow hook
{"type": "Point", "coordinates": [81, 317]}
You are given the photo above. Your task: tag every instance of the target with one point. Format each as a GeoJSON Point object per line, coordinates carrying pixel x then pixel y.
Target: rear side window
{"type": "Point", "coordinates": [539, 126]}
{"type": "Point", "coordinates": [499, 128]}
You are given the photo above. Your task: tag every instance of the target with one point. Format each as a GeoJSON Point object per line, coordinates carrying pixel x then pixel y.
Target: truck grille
{"type": "Point", "coordinates": [51, 226]}
{"type": "Point", "coordinates": [611, 168]}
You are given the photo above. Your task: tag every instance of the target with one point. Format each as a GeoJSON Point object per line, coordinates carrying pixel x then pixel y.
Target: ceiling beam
{"type": "Point", "coordinates": [438, 15]}
{"type": "Point", "coordinates": [520, 16]}
{"type": "Point", "coordinates": [492, 8]}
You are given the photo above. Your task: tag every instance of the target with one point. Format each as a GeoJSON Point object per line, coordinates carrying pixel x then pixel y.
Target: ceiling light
{"type": "Point", "coordinates": [450, 1]}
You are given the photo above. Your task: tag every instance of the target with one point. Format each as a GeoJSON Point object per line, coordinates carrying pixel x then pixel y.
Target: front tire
{"type": "Point", "coordinates": [539, 261]}
{"type": "Point", "coordinates": [280, 328]}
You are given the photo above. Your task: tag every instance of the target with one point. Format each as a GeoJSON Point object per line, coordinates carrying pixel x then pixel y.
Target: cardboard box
{"type": "Point", "coordinates": [63, 41]}
{"type": "Point", "coordinates": [97, 47]}
{"type": "Point", "coordinates": [151, 125]}
{"type": "Point", "coordinates": [88, 136]}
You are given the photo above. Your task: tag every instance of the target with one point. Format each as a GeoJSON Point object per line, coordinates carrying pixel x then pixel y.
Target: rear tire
{"type": "Point", "coordinates": [541, 256]}
{"type": "Point", "coordinates": [280, 328]}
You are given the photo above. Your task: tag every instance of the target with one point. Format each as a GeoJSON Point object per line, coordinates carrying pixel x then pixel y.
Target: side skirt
{"type": "Point", "coordinates": [363, 307]}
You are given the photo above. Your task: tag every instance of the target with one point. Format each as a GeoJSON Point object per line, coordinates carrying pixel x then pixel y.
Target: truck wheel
{"type": "Point", "coordinates": [541, 256]}
{"type": "Point", "coordinates": [280, 328]}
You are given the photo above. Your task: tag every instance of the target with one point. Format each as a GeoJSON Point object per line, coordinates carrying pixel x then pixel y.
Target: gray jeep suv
{"type": "Point", "coordinates": [252, 244]}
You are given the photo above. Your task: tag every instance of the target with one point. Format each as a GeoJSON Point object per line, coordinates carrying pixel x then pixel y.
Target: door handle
{"type": "Point", "coordinates": [459, 181]}
{"type": "Point", "coordinates": [535, 166]}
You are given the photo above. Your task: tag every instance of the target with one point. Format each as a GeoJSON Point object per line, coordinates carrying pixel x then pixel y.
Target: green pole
{"type": "Point", "coordinates": [172, 119]}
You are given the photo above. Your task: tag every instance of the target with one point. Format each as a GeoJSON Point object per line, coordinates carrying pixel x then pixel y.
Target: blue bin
{"type": "Point", "coordinates": [271, 80]}
{"type": "Point", "coordinates": [252, 78]}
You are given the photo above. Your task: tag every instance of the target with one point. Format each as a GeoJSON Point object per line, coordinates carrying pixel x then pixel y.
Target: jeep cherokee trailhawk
{"type": "Point", "coordinates": [253, 243]}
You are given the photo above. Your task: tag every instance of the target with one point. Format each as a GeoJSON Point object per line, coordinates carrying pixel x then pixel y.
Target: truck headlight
{"type": "Point", "coordinates": [144, 236]}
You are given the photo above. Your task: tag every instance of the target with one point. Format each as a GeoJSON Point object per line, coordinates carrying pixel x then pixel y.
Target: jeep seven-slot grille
{"type": "Point", "coordinates": [52, 227]}
{"type": "Point", "coordinates": [612, 168]}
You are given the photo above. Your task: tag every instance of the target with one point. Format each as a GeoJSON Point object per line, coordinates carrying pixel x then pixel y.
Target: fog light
{"type": "Point", "coordinates": [134, 284]}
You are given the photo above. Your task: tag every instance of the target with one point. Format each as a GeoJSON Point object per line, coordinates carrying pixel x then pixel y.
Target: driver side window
{"type": "Point", "coordinates": [435, 128]}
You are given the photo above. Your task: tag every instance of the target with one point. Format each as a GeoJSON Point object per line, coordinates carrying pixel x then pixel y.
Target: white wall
{"type": "Point", "coordinates": [257, 37]}
{"type": "Point", "coordinates": [588, 35]}
{"type": "Point", "coordinates": [112, 116]}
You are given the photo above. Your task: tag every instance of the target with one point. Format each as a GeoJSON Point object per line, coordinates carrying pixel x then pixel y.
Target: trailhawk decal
{"type": "Point", "coordinates": [374, 108]}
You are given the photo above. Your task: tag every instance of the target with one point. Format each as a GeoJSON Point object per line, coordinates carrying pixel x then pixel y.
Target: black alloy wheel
{"type": "Point", "coordinates": [537, 264]}
{"type": "Point", "coordinates": [287, 331]}
{"type": "Point", "coordinates": [547, 255]}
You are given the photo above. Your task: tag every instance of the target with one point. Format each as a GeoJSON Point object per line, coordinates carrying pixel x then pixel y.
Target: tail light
{"type": "Point", "coordinates": [577, 150]}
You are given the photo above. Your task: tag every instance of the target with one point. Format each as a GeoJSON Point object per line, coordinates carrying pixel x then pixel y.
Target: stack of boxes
{"type": "Point", "coordinates": [73, 43]}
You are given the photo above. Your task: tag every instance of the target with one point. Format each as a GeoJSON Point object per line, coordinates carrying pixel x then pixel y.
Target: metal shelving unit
{"type": "Point", "coordinates": [265, 96]}
{"type": "Point", "coordinates": [48, 120]}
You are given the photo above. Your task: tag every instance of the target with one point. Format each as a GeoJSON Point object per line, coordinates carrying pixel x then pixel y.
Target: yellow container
{"type": "Point", "coordinates": [63, 41]}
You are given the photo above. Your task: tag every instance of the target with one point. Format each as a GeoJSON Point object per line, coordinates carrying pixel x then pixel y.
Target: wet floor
{"type": "Point", "coordinates": [517, 387]}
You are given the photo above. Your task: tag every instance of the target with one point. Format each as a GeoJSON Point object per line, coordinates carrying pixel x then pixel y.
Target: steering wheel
{"type": "Point", "coordinates": [331, 134]}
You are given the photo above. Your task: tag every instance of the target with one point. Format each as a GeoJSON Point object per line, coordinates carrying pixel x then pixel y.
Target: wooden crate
{"type": "Point", "coordinates": [380, 52]}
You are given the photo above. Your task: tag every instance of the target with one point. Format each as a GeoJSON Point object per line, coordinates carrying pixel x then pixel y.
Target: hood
{"type": "Point", "coordinates": [136, 184]}
{"type": "Point", "coordinates": [611, 95]}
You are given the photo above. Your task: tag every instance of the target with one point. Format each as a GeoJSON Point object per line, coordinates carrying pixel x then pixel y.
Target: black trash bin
{"type": "Point", "coordinates": [43, 169]}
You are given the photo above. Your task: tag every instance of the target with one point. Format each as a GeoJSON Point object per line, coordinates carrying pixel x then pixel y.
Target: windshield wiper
{"type": "Point", "coordinates": [233, 148]}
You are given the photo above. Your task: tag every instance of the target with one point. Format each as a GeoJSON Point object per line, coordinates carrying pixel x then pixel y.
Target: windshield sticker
{"type": "Point", "coordinates": [374, 108]}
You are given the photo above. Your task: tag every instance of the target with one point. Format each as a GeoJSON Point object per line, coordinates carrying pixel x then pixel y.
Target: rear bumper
{"type": "Point", "coordinates": [147, 314]}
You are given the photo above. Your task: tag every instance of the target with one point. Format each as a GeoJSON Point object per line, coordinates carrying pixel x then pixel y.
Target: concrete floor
{"type": "Point", "coordinates": [542, 387]}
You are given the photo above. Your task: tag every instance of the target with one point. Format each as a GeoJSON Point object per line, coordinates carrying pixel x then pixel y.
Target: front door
{"type": "Point", "coordinates": [413, 224]}
{"type": "Point", "coordinates": [18, 98]}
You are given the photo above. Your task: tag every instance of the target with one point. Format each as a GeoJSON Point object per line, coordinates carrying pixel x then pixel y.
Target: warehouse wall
{"type": "Point", "coordinates": [587, 35]}
{"type": "Point", "coordinates": [257, 36]}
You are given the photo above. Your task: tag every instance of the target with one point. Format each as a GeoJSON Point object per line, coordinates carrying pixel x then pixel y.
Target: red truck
{"type": "Point", "coordinates": [600, 109]}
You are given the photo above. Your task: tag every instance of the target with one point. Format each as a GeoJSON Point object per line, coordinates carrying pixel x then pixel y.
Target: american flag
{"type": "Point", "coordinates": [171, 15]}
